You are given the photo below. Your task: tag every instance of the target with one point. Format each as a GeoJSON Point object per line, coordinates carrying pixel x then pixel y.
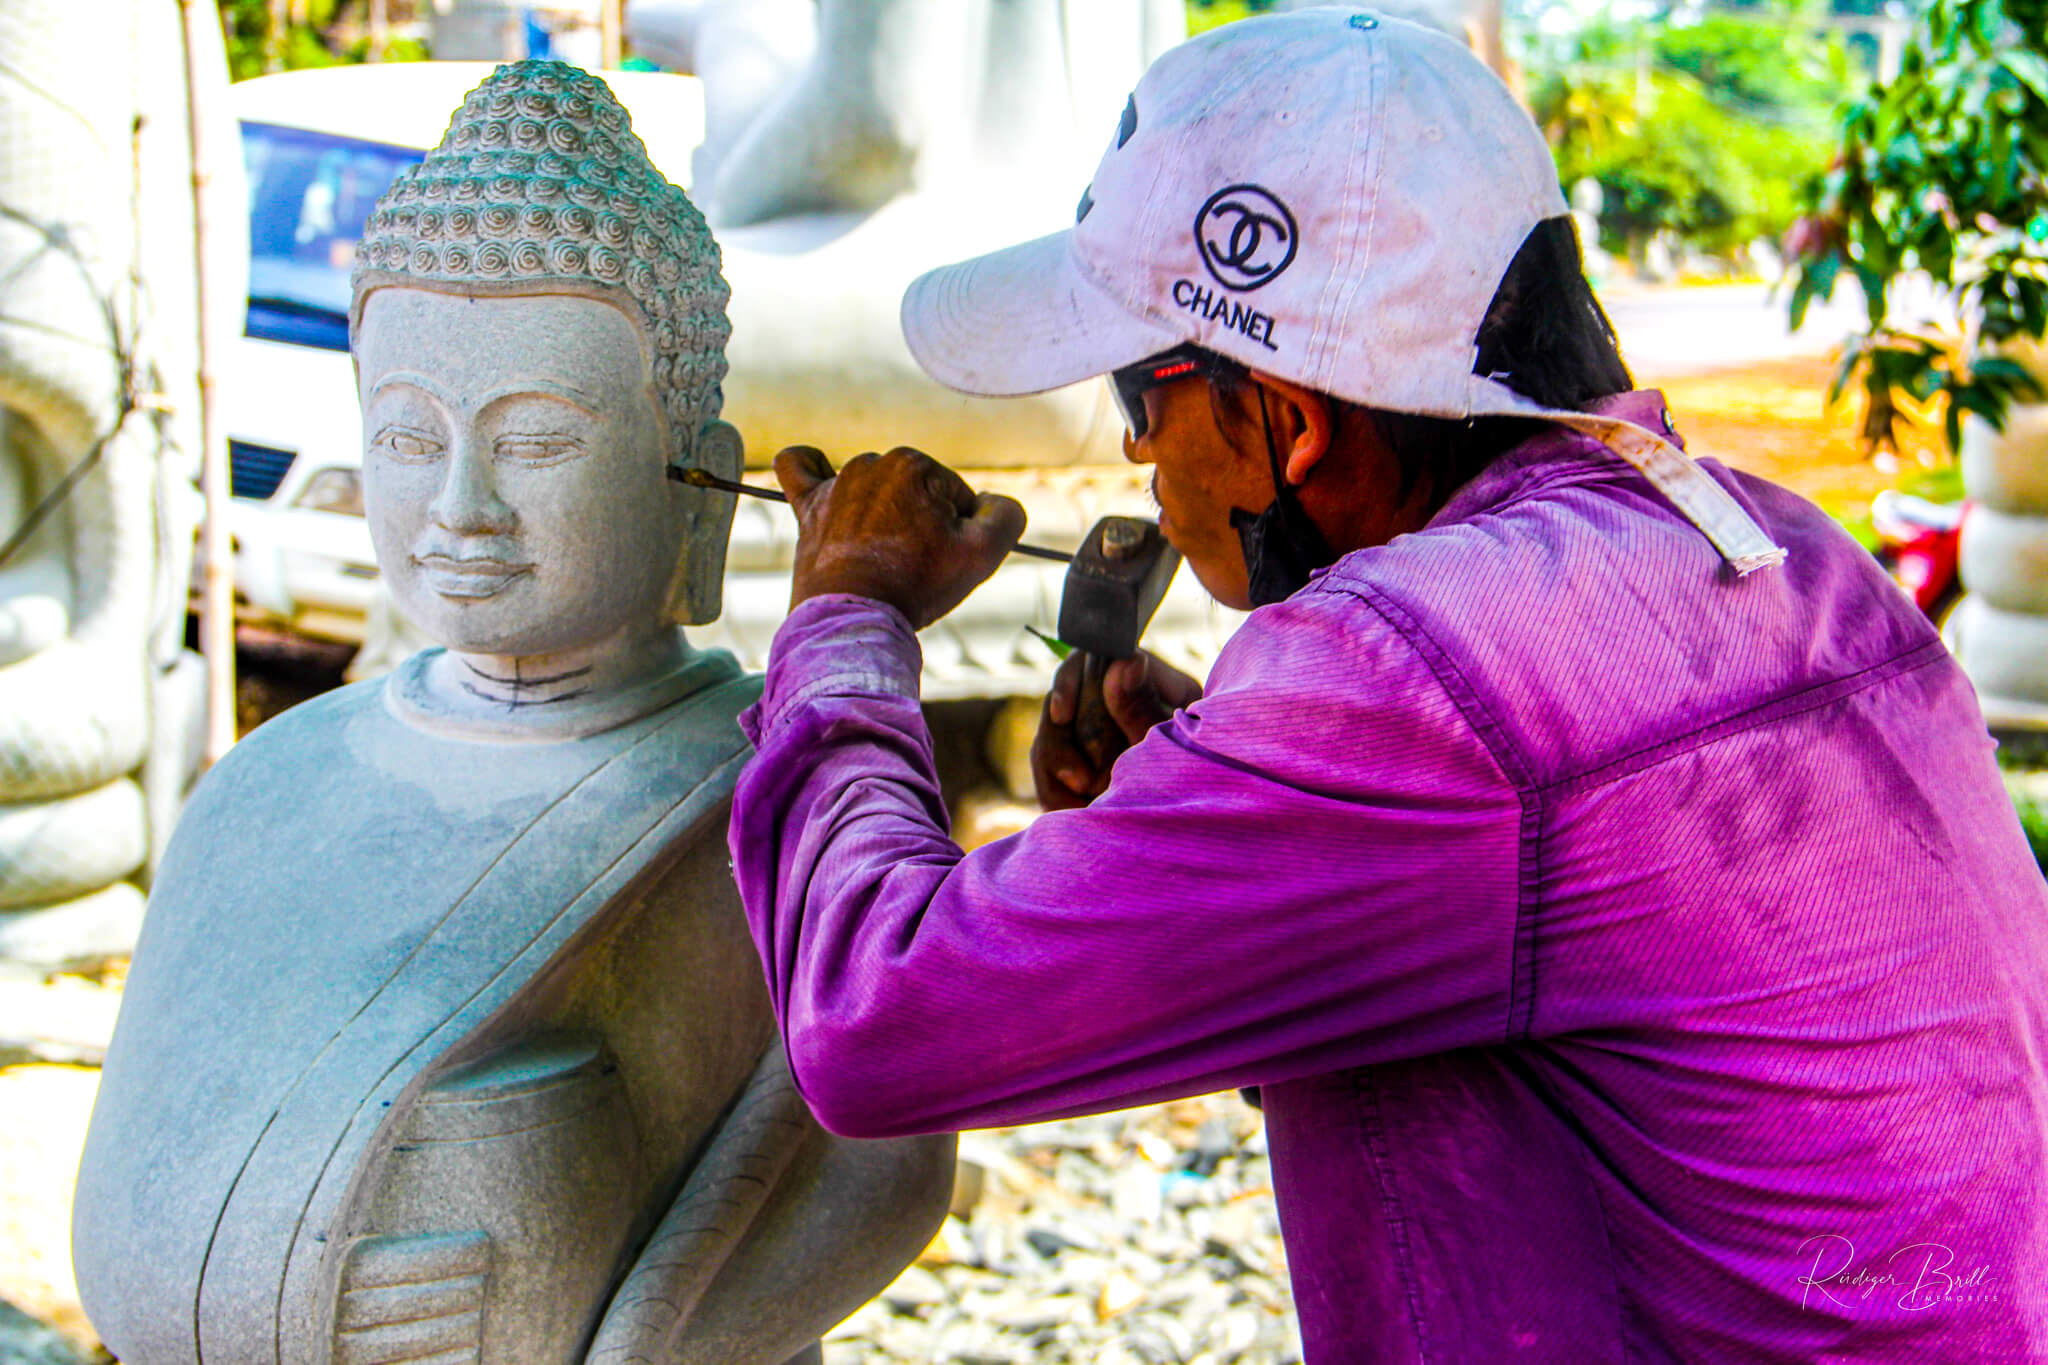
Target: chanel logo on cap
{"type": "Point", "coordinates": [1246, 237]}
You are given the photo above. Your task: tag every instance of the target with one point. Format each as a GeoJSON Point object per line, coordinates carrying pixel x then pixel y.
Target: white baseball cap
{"type": "Point", "coordinates": [1331, 196]}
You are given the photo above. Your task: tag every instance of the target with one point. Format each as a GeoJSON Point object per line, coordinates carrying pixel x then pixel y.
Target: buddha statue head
{"type": "Point", "coordinates": [539, 331]}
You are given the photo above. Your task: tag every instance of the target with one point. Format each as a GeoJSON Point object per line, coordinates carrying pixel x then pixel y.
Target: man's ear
{"type": "Point", "coordinates": [1310, 427]}
{"type": "Point", "coordinates": [717, 450]}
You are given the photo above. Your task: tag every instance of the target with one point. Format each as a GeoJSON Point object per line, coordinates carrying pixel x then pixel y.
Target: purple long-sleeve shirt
{"type": "Point", "coordinates": [1639, 963]}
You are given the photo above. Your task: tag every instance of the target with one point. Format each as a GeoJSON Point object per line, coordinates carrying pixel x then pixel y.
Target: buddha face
{"type": "Point", "coordinates": [514, 470]}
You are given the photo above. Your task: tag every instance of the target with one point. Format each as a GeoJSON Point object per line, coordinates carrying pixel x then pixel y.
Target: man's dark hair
{"type": "Point", "coordinates": [1546, 337]}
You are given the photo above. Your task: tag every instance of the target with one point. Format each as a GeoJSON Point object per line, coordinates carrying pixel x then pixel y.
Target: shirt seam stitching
{"type": "Point", "coordinates": [1582, 1151]}
{"type": "Point", "coordinates": [1364, 173]}
{"type": "Point", "coordinates": [1797, 703]}
{"type": "Point", "coordinates": [1372, 1123]}
{"type": "Point", "coordinates": [1480, 719]}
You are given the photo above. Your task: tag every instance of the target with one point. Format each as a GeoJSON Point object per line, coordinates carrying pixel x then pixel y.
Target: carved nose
{"type": "Point", "coordinates": [468, 503]}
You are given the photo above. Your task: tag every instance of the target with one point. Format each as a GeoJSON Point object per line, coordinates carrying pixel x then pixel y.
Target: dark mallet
{"type": "Point", "coordinates": [1114, 586]}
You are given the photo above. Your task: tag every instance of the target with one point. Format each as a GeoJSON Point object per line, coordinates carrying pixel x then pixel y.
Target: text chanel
{"type": "Point", "coordinates": [1206, 303]}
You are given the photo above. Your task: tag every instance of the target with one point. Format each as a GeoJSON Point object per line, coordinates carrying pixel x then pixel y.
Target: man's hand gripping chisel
{"type": "Point", "coordinates": [1115, 583]}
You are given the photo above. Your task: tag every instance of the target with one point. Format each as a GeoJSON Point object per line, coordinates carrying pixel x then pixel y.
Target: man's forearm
{"type": "Point", "coordinates": [842, 788]}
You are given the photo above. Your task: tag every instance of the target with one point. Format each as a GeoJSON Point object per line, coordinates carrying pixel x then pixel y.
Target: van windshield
{"type": "Point", "coordinates": [309, 196]}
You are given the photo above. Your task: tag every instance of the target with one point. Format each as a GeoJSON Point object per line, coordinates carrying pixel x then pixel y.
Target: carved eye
{"type": "Point", "coordinates": [408, 446]}
{"type": "Point", "coordinates": [539, 448]}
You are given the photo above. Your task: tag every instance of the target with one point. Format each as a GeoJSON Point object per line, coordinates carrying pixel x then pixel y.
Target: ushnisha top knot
{"type": "Point", "coordinates": [540, 182]}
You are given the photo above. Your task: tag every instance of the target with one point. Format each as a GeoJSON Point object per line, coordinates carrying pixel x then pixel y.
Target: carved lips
{"type": "Point", "coordinates": [474, 576]}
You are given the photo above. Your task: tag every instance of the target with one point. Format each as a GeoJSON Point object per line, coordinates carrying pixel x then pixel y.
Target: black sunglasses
{"type": "Point", "coordinates": [1130, 384]}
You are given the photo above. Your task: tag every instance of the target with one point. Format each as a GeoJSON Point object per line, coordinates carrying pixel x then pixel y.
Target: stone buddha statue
{"type": "Point", "coordinates": [445, 1039]}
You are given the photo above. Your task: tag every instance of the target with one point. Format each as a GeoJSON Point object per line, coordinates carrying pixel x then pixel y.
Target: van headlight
{"type": "Point", "coordinates": [333, 490]}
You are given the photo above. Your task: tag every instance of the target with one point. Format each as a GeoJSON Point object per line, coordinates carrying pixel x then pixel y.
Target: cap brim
{"type": "Point", "coordinates": [1022, 320]}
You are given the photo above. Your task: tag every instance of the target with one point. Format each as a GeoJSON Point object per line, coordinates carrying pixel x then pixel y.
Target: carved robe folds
{"type": "Point", "coordinates": [428, 1039]}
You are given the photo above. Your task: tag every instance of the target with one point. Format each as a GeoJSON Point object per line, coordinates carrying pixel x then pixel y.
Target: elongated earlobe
{"type": "Point", "coordinates": [701, 594]}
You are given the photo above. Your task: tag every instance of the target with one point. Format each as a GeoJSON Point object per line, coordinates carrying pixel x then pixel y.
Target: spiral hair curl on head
{"type": "Point", "coordinates": [540, 181]}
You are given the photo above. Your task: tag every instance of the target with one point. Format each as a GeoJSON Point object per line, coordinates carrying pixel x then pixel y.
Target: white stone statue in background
{"type": "Point", "coordinates": [846, 154]}
{"type": "Point", "coordinates": [845, 105]}
{"type": "Point", "coordinates": [850, 146]}
{"type": "Point", "coordinates": [446, 1038]}
{"type": "Point", "coordinates": [99, 423]}
{"type": "Point", "coordinates": [745, 54]}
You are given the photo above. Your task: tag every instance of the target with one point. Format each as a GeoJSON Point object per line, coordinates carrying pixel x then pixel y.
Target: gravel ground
{"type": "Point", "coordinates": [1145, 1237]}
{"type": "Point", "coordinates": [43, 1110]}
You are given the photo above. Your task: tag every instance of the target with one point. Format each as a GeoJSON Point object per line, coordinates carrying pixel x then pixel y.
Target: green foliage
{"type": "Point", "coordinates": [2034, 820]}
{"type": "Point", "coordinates": [254, 49]}
{"type": "Point", "coordinates": [1758, 62]}
{"type": "Point", "coordinates": [1943, 483]}
{"type": "Point", "coordinates": [1858, 524]}
{"type": "Point", "coordinates": [1204, 15]}
{"type": "Point", "coordinates": [1941, 171]}
{"type": "Point", "coordinates": [1703, 129]}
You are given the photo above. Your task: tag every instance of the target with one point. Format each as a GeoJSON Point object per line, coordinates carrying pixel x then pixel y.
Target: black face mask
{"type": "Point", "coordinates": [1282, 547]}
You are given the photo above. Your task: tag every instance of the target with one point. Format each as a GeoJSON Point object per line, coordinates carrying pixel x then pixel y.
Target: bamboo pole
{"type": "Point", "coordinates": [611, 21]}
{"type": "Point", "coordinates": [216, 569]}
{"type": "Point", "coordinates": [1488, 41]}
{"type": "Point", "coordinates": [274, 38]}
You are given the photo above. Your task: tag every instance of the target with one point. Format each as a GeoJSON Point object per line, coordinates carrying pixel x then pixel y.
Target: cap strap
{"type": "Point", "coordinates": [1687, 487]}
